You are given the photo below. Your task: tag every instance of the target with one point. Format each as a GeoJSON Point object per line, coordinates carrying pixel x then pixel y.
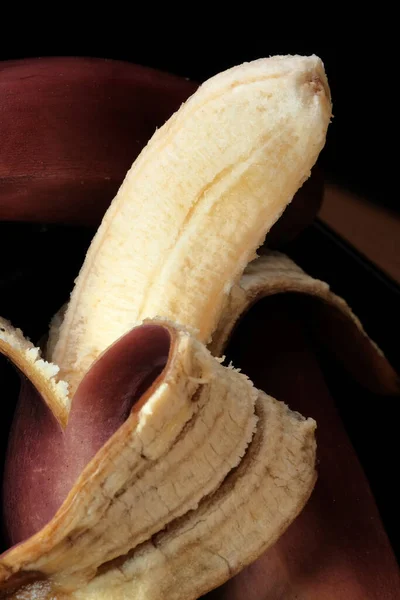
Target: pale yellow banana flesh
{"type": "Point", "coordinates": [196, 205]}
{"type": "Point", "coordinates": [188, 218]}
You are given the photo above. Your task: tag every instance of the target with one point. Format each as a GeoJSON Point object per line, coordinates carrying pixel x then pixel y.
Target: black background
{"type": "Point", "coordinates": [362, 79]}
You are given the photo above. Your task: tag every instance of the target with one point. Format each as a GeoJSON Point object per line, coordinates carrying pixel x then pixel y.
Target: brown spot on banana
{"type": "Point", "coordinates": [43, 460]}
{"type": "Point", "coordinates": [251, 509]}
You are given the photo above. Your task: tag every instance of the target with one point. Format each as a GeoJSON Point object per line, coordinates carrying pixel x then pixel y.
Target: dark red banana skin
{"type": "Point", "coordinates": [70, 129]}
{"type": "Point", "coordinates": [337, 548]}
{"type": "Point", "coordinates": [42, 461]}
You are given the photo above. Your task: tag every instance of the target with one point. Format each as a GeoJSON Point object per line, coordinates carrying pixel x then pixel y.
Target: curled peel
{"type": "Point", "coordinates": [257, 501]}
{"type": "Point", "coordinates": [176, 449]}
{"type": "Point", "coordinates": [231, 521]}
{"type": "Point", "coordinates": [169, 472]}
{"type": "Point", "coordinates": [191, 427]}
{"type": "Point", "coordinates": [333, 322]}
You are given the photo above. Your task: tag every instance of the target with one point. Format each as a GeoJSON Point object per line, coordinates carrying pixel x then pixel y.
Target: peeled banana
{"type": "Point", "coordinates": [139, 465]}
{"type": "Point", "coordinates": [196, 205]}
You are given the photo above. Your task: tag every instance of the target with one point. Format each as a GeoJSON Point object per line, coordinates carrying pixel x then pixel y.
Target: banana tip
{"type": "Point", "coordinates": [317, 79]}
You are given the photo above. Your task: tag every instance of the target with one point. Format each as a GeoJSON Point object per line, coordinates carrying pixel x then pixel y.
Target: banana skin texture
{"type": "Point", "coordinates": [183, 472]}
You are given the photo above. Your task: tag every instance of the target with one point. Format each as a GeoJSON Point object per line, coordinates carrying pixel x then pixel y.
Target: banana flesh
{"type": "Point", "coordinates": [196, 205]}
{"type": "Point", "coordinates": [210, 471]}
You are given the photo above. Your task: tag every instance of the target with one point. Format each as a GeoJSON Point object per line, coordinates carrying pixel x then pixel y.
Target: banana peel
{"type": "Point", "coordinates": [337, 547]}
{"type": "Point", "coordinates": [183, 473]}
{"type": "Point", "coordinates": [167, 559]}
